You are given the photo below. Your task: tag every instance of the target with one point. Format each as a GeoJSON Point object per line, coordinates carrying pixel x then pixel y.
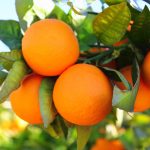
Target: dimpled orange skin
{"type": "Point", "coordinates": [25, 100]}
{"type": "Point", "coordinates": [146, 68]}
{"type": "Point", "coordinates": [142, 101]}
{"type": "Point", "coordinates": [50, 46]}
{"type": "Point", "coordinates": [83, 95]}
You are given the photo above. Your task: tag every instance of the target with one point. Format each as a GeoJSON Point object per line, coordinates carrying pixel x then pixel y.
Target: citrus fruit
{"type": "Point", "coordinates": [50, 46]}
{"type": "Point", "coordinates": [101, 144]}
{"type": "Point", "coordinates": [83, 94]}
{"type": "Point", "coordinates": [142, 101]}
{"type": "Point", "coordinates": [116, 145]}
{"type": "Point", "coordinates": [25, 100]}
{"type": "Point", "coordinates": [104, 144]}
{"type": "Point", "coordinates": [146, 68]}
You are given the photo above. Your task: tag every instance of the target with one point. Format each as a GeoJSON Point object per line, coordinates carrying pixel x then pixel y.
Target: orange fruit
{"type": "Point", "coordinates": [83, 94]}
{"type": "Point", "coordinates": [116, 145]}
{"type": "Point", "coordinates": [104, 144]}
{"type": "Point", "coordinates": [101, 144]}
{"type": "Point", "coordinates": [142, 102]}
{"type": "Point", "coordinates": [50, 46]}
{"type": "Point", "coordinates": [25, 100]}
{"type": "Point", "coordinates": [146, 68]}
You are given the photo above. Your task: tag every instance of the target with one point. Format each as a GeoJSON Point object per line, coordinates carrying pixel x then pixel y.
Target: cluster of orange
{"type": "Point", "coordinates": [82, 93]}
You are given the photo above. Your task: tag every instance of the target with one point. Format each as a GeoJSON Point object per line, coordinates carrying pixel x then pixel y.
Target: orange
{"type": "Point", "coordinates": [83, 94]}
{"type": "Point", "coordinates": [142, 102]}
{"type": "Point", "coordinates": [49, 47]}
{"type": "Point", "coordinates": [104, 144]}
{"type": "Point", "coordinates": [146, 68]}
{"type": "Point", "coordinates": [25, 100]}
{"type": "Point", "coordinates": [116, 145]}
{"type": "Point", "coordinates": [101, 144]}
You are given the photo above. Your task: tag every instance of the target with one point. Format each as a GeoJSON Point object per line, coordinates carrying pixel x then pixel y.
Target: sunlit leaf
{"type": "Point", "coordinates": [83, 134]}
{"type": "Point", "coordinates": [12, 82]}
{"type": "Point", "coordinates": [46, 104]}
{"type": "Point", "coordinates": [110, 25]}
{"type": "Point", "coordinates": [111, 2]}
{"type": "Point", "coordinates": [25, 13]}
{"type": "Point", "coordinates": [10, 33]}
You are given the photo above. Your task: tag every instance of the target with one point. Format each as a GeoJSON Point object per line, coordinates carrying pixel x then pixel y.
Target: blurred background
{"type": "Point", "coordinates": [133, 130]}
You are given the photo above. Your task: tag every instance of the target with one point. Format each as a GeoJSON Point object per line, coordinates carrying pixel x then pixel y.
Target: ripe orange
{"type": "Point", "coordinates": [142, 102]}
{"type": "Point", "coordinates": [49, 47]}
{"type": "Point", "coordinates": [116, 145]}
{"type": "Point", "coordinates": [25, 100]}
{"type": "Point", "coordinates": [146, 68]}
{"type": "Point", "coordinates": [83, 94]}
{"type": "Point", "coordinates": [104, 144]}
{"type": "Point", "coordinates": [101, 144]}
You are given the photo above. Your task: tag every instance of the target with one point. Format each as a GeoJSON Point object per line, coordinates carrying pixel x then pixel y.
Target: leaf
{"type": "Point", "coordinates": [3, 75]}
{"type": "Point", "coordinates": [12, 82]}
{"type": "Point", "coordinates": [116, 75]}
{"type": "Point", "coordinates": [140, 33]}
{"type": "Point", "coordinates": [125, 99]}
{"type": "Point", "coordinates": [58, 13]}
{"type": "Point", "coordinates": [10, 33]}
{"type": "Point", "coordinates": [85, 33]}
{"type": "Point", "coordinates": [46, 104]}
{"type": "Point", "coordinates": [112, 2]}
{"type": "Point", "coordinates": [22, 6]}
{"type": "Point", "coordinates": [57, 128]}
{"type": "Point", "coordinates": [7, 58]}
{"type": "Point", "coordinates": [110, 25]}
{"type": "Point", "coordinates": [43, 8]}
{"type": "Point", "coordinates": [83, 133]}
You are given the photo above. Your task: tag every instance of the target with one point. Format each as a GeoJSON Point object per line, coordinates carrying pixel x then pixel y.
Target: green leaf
{"type": "Point", "coordinates": [116, 75]}
{"type": "Point", "coordinates": [57, 128]}
{"type": "Point", "coordinates": [3, 75]}
{"type": "Point", "coordinates": [110, 25]}
{"type": "Point", "coordinates": [112, 2]}
{"type": "Point", "coordinates": [10, 33]}
{"type": "Point", "coordinates": [85, 33]}
{"type": "Point", "coordinates": [140, 33]}
{"type": "Point", "coordinates": [46, 104]}
{"type": "Point", "coordinates": [125, 99]}
{"type": "Point", "coordinates": [58, 13]}
{"type": "Point", "coordinates": [83, 133]}
{"type": "Point", "coordinates": [22, 6]}
{"type": "Point", "coordinates": [8, 58]}
{"type": "Point", "coordinates": [12, 82]}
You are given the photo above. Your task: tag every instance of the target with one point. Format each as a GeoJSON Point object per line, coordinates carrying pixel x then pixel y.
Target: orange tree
{"type": "Point", "coordinates": [56, 81]}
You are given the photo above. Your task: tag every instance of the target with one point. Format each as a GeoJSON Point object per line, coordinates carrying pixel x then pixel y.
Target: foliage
{"type": "Point", "coordinates": [101, 30]}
